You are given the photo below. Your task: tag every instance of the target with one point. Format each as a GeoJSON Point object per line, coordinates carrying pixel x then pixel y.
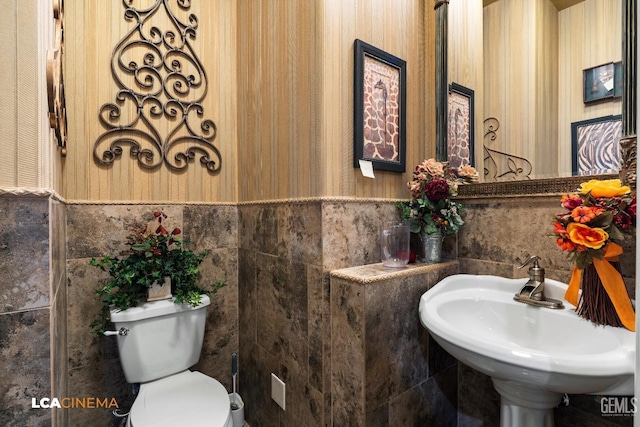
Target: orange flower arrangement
{"type": "Point", "coordinates": [598, 214]}
{"type": "Point", "coordinates": [593, 219]}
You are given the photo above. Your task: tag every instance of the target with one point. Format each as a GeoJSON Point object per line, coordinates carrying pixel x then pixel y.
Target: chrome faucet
{"type": "Point", "coordinates": [532, 292]}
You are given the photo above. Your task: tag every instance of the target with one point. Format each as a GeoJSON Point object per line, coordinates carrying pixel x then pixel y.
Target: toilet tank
{"type": "Point", "coordinates": [164, 338]}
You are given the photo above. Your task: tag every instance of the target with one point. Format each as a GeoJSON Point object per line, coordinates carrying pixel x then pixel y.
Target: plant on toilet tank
{"type": "Point", "coordinates": [154, 255]}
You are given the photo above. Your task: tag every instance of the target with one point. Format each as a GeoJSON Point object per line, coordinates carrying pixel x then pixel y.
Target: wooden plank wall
{"type": "Point", "coordinates": [92, 31]}
{"type": "Point", "coordinates": [590, 36]}
{"type": "Point", "coordinates": [296, 94]}
{"type": "Point", "coordinates": [465, 55]}
{"type": "Point", "coordinates": [28, 156]}
{"type": "Point", "coordinates": [281, 93]}
{"type": "Point", "coordinates": [543, 53]}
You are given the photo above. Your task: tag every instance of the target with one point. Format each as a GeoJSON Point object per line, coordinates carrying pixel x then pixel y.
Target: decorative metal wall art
{"type": "Point", "coordinates": [499, 166]}
{"type": "Point", "coordinates": [55, 82]}
{"type": "Point", "coordinates": [158, 110]}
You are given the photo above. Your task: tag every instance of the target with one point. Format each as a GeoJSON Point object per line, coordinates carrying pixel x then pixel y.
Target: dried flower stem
{"type": "Point", "coordinates": [595, 304]}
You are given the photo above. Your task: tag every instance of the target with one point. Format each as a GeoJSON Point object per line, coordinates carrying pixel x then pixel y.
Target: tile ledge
{"type": "Point", "coordinates": [376, 272]}
{"type": "Point", "coordinates": [30, 192]}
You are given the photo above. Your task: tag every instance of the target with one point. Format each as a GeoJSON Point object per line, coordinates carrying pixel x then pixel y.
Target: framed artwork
{"type": "Point", "coordinates": [460, 125]}
{"type": "Point", "coordinates": [379, 108]}
{"type": "Point", "coordinates": [595, 145]}
{"type": "Point", "coordinates": [602, 82]}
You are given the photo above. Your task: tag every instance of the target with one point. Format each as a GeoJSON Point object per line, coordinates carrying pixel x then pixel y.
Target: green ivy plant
{"type": "Point", "coordinates": [154, 253]}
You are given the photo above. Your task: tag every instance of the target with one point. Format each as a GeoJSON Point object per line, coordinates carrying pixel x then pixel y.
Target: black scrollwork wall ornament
{"type": "Point", "coordinates": [158, 110]}
{"type": "Point", "coordinates": [500, 166]}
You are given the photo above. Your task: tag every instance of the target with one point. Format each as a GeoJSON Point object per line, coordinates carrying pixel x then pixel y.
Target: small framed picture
{"type": "Point", "coordinates": [460, 126]}
{"type": "Point", "coordinates": [379, 108]}
{"type": "Point", "coordinates": [602, 82]}
{"type": "Point", "coordinates": [595, 146]}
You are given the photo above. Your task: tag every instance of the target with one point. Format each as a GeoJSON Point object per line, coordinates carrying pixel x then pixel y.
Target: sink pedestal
{"type": "Point", "coordinates": [523, 405]}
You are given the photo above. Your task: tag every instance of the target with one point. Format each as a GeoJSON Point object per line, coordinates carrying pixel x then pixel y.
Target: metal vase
{"type": "Point", "coordinates": [432, 244]}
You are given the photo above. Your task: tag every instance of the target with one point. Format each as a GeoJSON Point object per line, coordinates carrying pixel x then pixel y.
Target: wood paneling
{"type": "Point", "coordinates": [533, 60]}
{"type": "Point", "coordinates": [296, 94]}
{"type": "Point", "coordinates": [28, 158]}
{"type": "Point", "coordinates": [465, 53]}
{"type": "Point", "coordinates": [590, 35]}
{"type": "Point", "coordinates": [93, 30]}
{"type": "Point", "coordinates": [520, 79]}
{"type": "Point", "coordinates": [281, 93]}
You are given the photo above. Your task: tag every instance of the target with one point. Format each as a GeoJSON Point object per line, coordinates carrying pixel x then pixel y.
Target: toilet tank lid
{"type": "Point", "coordinates": [155, 309]}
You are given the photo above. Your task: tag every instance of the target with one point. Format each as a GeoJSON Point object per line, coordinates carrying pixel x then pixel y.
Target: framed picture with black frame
{"type": "Point", "coordinates": [603, 82]}
{"type": "Point", "coordinates": [379, 108]}
{"type": "Point", "coordinates": [460, 125]}
{"type": "Point", "coordinates": [595, 146]}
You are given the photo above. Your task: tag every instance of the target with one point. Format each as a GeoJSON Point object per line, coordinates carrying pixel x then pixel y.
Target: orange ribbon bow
{"type": "Point", "coordinates": [612, 282]}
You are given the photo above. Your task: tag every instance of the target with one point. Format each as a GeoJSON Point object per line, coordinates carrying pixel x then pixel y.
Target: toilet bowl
{"type": "Point", "coordinates": [162, 341]}
{"type": "Point", "coordinates": [186, 399]}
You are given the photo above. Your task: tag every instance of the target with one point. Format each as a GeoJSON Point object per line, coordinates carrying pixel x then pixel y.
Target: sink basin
{"type": "Point", "coordinates": [533, 354]}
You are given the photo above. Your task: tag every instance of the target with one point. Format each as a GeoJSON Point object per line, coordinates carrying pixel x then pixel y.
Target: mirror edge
{"type": "Point", "coordinates": [628, 141]}
{"type": "Point", "coordinates": [527, 187]}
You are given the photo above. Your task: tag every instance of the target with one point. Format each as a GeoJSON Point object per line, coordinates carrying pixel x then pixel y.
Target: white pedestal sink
{"type": "Point", "coordinates": [533, 355]}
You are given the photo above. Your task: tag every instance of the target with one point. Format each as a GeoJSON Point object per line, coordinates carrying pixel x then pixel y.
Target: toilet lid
{"type": "Point", "coordinates": [186, 399]}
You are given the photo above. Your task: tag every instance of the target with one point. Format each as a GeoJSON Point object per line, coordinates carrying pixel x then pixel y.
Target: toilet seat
{"type": "Point", "coordinates": [189, 398]}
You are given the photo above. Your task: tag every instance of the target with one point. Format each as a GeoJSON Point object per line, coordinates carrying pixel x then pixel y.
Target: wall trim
{"type": "Point", "coordinates": [31, 192]}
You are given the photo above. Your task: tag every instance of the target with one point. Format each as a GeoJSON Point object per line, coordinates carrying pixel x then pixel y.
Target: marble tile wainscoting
{"type": "Point", "coordinates": [98, 230]}
{"type": "Point", "coordinates": [287, 250]}
{"type": "Point", "coordinates": [282, 311]}
{"type": "Point", "coordinates": [33, 306]}
{"type": "Point", "coordinates": [386, 369]}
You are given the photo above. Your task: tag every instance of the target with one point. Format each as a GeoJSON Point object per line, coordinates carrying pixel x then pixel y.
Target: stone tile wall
{"type": "Point", "coordinates": [386, 371]}
{"type": "Point", "coordinates": [99, 230]}
{"type": "Point", "coordinates": [275, 311]}
{"type": "Point", "coordinates": [32, 295]}
{"type": "Point", "coordinates": [287, 250]}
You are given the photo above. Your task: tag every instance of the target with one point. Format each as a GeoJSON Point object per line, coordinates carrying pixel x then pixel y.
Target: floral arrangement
{"type": "Point", "coordinates": [601, 212]}
{"type": "Point", "coordinates": [154, 254]}
{"type": "Point", "coordinates": [431, 209]}
{"type": "Point", "coordinates": [593, 220]}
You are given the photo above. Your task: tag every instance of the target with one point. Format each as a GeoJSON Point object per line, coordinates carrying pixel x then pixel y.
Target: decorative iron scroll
{"type": "Point", "coordinates": [55, 82]}
{"type": "Point", "coordinates": [162, 85]}
{"type": "Point", "coordinates": [499, 166]}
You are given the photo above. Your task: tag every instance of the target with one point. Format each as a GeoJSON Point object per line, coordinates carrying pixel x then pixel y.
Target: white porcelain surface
{"type": "Point", "coordinates": [164, 338]}
{"type": "Point", "coordinates": [477, 321]}
{"type": "Point", "coordinates": [185, 399]}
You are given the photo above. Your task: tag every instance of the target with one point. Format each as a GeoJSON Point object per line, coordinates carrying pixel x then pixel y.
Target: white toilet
{"type": "Point", "coordinates": [163, 341]}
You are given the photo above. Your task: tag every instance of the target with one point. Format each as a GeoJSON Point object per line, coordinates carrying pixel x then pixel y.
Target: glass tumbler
{"type": "Point", "coordinates": [394, 244]}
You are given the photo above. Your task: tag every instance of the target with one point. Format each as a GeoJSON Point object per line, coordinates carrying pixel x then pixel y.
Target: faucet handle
{"type": "Point", "coordinates": [536, 272]}
{"type": "Point", "coordinates": [535, 259]}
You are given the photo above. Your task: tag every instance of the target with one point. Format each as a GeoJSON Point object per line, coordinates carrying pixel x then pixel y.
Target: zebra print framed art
{"type": "Point", "coordinates": [379, 108]}
{"type": "Point", "coordinates": [595, 146]}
